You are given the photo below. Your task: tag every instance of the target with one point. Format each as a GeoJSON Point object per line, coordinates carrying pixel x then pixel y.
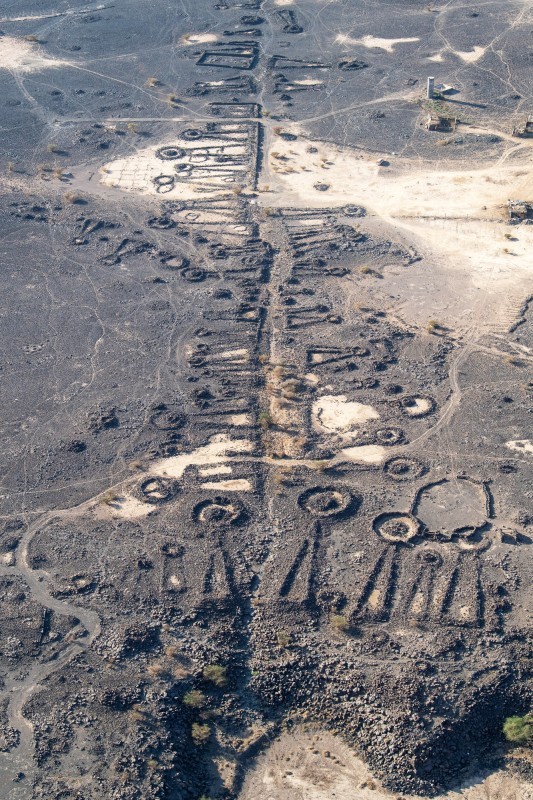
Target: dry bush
{"type": "Point", "coordinates": [194, 699]}
{"type": "Point", "coordinates": [283, 638]}
{"type": "Point", "coordinates": [216, 674]}
{"type": "Point", "coordinates": [108, 498]}
{"type": "Point", "coordinates": [156, 670]}
{"type": "Point", "coordinates": [340, 622]}
{"type": "Point", "coordinates": [265, 420]}
{"type": "Point", "coordinates": [73, 198]}
{"type": "Point", "coordinates": [200, 733]}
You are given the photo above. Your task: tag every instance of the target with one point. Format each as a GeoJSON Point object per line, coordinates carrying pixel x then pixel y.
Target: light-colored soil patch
{"type": "Point", "coordinates": [199, 38]}
{"type": "Point", "coordinates": [420, 406]}
{"type": "Point", "coordinates": [240, 419]}
{"type": "Point", "coordinates": [453, 214]}
{"type": "Point", "coordinates": [521, 446]}
{"type": "Point", "coordinates": [335, 414]}
{"type": "Point", "coordinates": [365, 454]}
{"type": "Point", "coordinates": [375, 41]}
{"type": "Point", "coordinates": [125, 506]}
{"type": "Point", "coordinates": [308, 82]}
{"type": "Point", "coordinates": [219, 450]}
{"type": "Point", "coordinates": [472, 56]}
{"type": "Point", "coordinates": [221, 470]}
{"type": "Point", "coordinates": [175, 583]}
{"type": "Point", "coordinates": [17, 55]}
{"type": "Point", "coordinates": [232, 355]}
{"type": "Point", "coordinates": [236, 485]}
{"type": "Point", "coordinates": [306, 766]}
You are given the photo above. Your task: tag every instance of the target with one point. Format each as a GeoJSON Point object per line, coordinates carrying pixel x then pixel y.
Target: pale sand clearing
{"type": "Point", "coordinates": [374, 41]}
{"type": "Point", "coordinates": [438, 58]}
{"type": "Point", "coordinates": [241, 355]}
{"type": "Point", "coordinates": [237, 485]}
{"type": "Point", "coordinates": [283, 2]}
{"type": "Point", "coordinates": [220, 449]}
{"type": "Point", "coordinates": [420, 406]}
{"type": "Point", "coordinates": [17, 55]}
{"type": "Point", "coordinates": [66, 13]}
{"type": "Point", "coordinates": [365, 454]}
{"type": "Point", "coordinates": [471, 56]}
{"type": "Point", "coordinates": [221, 470]}
{"type": "Point", "coordinates": [308, 82]}
{"type": "Point", "coordinates": [125, 506]}
{"type": "Point", "coordinates": [448, 212]}
{"type": "Point", "coordinates": [240, 419]}
{"type": "Point", "coordinates": [199, 38]}
{"type": "Point", "coordinates": [318, 766]}
{"type": "Point", "coordinates": [175, 582]}
{"type": "Point", "coordinates": [336, 414]}
{"type": "Point", "coordinates": [521, 446]}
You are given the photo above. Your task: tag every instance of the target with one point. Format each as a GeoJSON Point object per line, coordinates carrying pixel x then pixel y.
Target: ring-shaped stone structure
{"type": "Point", "coordinates": [157, 490]}
{"type": "Point", "coordinates": [397, 527]}
{"type": "Point", "coordinates": [328, 501]}
{"type": "Point", "coordinates": [404, 468]}
{"type": "Point", "coordinates": [170, 153]}
{"type": "Point", "coordinates": [218, 511]}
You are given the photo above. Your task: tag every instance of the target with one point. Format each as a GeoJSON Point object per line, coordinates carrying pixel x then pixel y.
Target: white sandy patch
{"type": "Point", "coordinates": [335, 413]}
{"type": "Point", "coordinates": [240, 356]}
{"type": "Point", "coordinates": [365, 454]}
{"type": "Point", "coordinates": [240, 419]}
{"type": "Point", "coordinates": [175, 582]}
{"type": "Point", "coordinates": [375, 41]}
{"type": "Point", "coordinates": [458, 214]}
{"type": "Point", "coordinates": [199, 38]}
{"type": "Point", "coordinates": [221, 470]}
{"type": "Point", "coordinates": [236, 485]}
{"type": "Point", "coordinates": [129, 507]}
{"type": "Point", "coordinates": [68, 12]}
{"type": "Point", "coordinates": [7, 559]}
{"type": "Point", "coordinates": [219, 449]}
{"type": "Point", "coordinates": [311, 378]}
{"type": "Point", "coordinates": [472, 56]}
{"type": "Point", "coordinates": [521, 446]}
{"type": "Point", "coordinates": [17, 55]}
{"type": "Point", "coordinates": [283, 2]}
{"type": "Point", "coordinates": [420, 406]}
{"type": "Point", "coordinates": [438, 58]}
{"type": "Point", "coordinates": [307, 82]}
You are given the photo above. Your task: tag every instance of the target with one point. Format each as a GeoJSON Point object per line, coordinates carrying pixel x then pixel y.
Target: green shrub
{"type": "Point", "coordinates": [340, 622]}
{"type": "Point", "coordinates": [216, 674]}
{"type": "Point", "coordinates": [200, 733]}
{"type": "Point", "coordinates": [519, 730]}
{"type": "Point", "coordinates": [194, 699]}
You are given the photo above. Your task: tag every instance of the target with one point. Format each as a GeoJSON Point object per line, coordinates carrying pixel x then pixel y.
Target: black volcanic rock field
{"type": "Point", "coordinates": [265, 358]}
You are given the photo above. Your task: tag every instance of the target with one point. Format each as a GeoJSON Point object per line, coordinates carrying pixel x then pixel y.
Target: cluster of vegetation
{"type": "Point", "coordinates": [340, 622]}
{"type": "Point", "coordinates": [216, 674]}
{"type": "Point", "coordinates": [519, 730]}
